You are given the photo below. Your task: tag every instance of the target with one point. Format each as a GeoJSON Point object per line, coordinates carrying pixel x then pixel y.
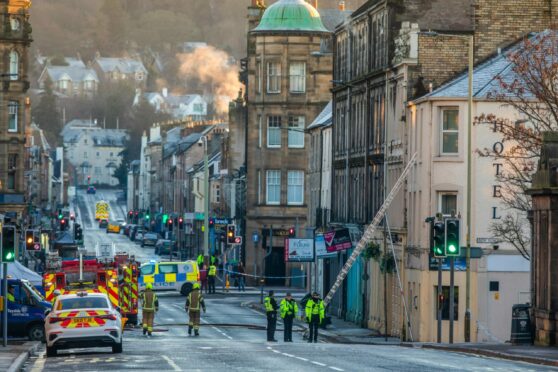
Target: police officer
{"type": "Point", "coordinates": [200, 260]}
{"type": "Point", "coordinates": [315, 313]}
{"type": "Point", "coordinates": [193, 303]}
{"type": "Point", "coordinates": [55, 294]}
{"type": "Point", "coordinates": [289, 309]}
{"type": "Point", "coordinates": [150, 305]}
{"type": "Point", "coordinates": [271, 311]}
{"type": "Point", "coordinates": [211, 274]}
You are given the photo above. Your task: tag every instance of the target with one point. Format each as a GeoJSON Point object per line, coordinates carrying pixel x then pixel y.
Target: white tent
{"type": "Point", "coordinates": [18, 271]}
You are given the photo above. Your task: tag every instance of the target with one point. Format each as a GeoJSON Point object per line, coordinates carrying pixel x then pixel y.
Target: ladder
{"type": "Point", "coordinates": [369, 232]}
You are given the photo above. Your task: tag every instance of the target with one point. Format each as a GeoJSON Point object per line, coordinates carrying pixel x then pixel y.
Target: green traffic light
{"type": "Point", "coordinates": [60, 216]}
{"type": "Point", "coordinates": [165, 218]}
{"type": "Point", "coordinates": [9, 256]}
{"type": "Point", "coordinates": [452, 248]}
{"type": "Point", "coordinates": [147, 217]}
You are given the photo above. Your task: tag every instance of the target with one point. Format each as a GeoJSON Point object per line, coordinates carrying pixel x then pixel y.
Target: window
{"type": "Point", "coordinates": [86, 302]}
{"type": "Point", "coordinates": [85, 155]}
{"type": "Point", "coordinates": [447, 204]}
{"type": "Point", "coordinates": [168, 269]}
{"type": "Point", "coordinates": [97, 170]}
{"type": "Point", "coordinates": [89, 84]}
{"type": "Point", "coordinates": [297, 77]}
{"type": "Point", "coordinates": [273, 77]}
{"type": "Point", "coordinates": [274, 131]}
{"type": "Point", "coordinates": [14, 23]}
{"type": "Point", "coordinates": [147, 269]}
{"type": "Point", "coordinates": [259, 77]}
{"type": "Point", "coordinates": [446, 302]}
{"type": "Point", "coordinates": [494, 286]}
{"type": "Point", "coordinates": [295, 189]}
{"type": "Point", "coordinates": [198, 107]}
{"type": "Point", "coordinates": [12, 167]}
{"type": "Point", "coordinates": [13, 107]}
{"type": "Point", "coordinates": [14, 65]}
{"type": "Point", "coordinates": [139, 76]}
{"type": "Point", "coordinates": [450, 131]}
{"type": "Point", "coordinates": [273, 178]}
{"type": "Point", "coordinates": [296, 131]}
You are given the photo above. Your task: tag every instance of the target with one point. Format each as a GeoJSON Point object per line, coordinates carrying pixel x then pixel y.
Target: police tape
{"type": "Point", "coordinates": [263, 276]}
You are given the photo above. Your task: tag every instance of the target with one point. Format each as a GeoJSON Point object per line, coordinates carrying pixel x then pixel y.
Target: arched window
{"type": "Point", "coordinates": [14, 65]}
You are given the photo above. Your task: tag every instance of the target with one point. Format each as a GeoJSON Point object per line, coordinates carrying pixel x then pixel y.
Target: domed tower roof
{"type": "Point", "coordinates": [15, 6]}
{"type": "Point", "coordinates": [291, 15]}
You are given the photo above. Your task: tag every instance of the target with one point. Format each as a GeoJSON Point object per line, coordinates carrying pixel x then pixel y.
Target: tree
{"type": "Point", "coordinates": [531, 88]}
{"type": "Point", "coordinates": [47, 115]}
{"type": "Point", "coordinates": [121, 172]}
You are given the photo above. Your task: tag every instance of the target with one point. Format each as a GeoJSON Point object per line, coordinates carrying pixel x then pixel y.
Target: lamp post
{"type": "Point", "coordinates": [203, 142]}
{"type": "Point", "coordinates": [471, 54]}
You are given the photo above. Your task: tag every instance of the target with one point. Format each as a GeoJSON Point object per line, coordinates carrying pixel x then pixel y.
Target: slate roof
{"type": "Point", "coordinates": [75, 73]}
{"type": "Point", "coordinates": [331, 18]}
{"type": "Point", "coordinates": [485, 76]}
{"type": "Point", "coordinates": [124, 65]}
{"type": "Point", "coordinates": [325, 118]}
{"type": "Point", "coordinates": [75, 129]}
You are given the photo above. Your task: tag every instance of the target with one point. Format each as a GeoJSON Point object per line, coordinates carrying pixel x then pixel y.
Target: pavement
{"type": "Point", "coordinates": [16, 354]}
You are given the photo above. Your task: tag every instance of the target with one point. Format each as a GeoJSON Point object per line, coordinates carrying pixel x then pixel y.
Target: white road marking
{"type": "Point", "coordinates": [336, 369]}
{"type": "Point", "coordinates": [288, 355]}
{"type": "Point", "coordinates": [304, 359]}
{"type": "Point", "coordinates": [301, 358]}
{"type": "Point", "coordinates": [171, 363]}
{"type": "Point", "coordinates": [39, 364]}
{"type": "Point", "coordinates": [319, 364]}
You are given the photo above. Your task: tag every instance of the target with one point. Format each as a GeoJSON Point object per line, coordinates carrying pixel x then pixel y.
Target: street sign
{"type": "Point", "coordinates": [37, 246]}
{"type": "Point", "coordinates": [338, 240]}
{"type": "Point", "coordinates": [321, 250]}
{"type": "Point", "coordinates": [299, 250]}
{"type": "Point", "coordinates": [237, 240]}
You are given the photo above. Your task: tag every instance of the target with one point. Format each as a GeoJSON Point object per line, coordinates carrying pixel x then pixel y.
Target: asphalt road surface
{"type": "Point", "coordinates": [233, 335]}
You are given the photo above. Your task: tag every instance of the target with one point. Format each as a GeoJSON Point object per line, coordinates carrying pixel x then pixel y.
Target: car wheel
{"type": "Point", "coordinates": [51, 351]}
{"type": "Point", "coordinates": [186, 289]}
{"type": "Point", "coordinates": [117, 348]}
{"type": "Point", "coordinates": [36, 333]}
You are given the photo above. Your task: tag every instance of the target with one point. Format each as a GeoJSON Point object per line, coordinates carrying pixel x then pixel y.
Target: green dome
{"type": "Point", "coordinates": [291, 15]}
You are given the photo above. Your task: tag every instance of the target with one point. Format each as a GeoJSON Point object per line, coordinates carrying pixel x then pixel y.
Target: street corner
{"type": "Point", "coordinates": [14, 356]}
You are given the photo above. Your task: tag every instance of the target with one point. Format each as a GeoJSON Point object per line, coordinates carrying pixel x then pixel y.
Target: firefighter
{"type": "Point", "coordinates": [289, 309]}
{"type": "Point", "coordinates": [211, 274]}
{"type": "Point", "coordinates": [55, 294]}
{"type": "Point", "coordinates": [150, 305]}
{"type": "Point", "coordinates": [271, 312]}
{"type": "Point", "coordinates": [315, 313]}
{"type": "Point", "coordinates": [193, 302]}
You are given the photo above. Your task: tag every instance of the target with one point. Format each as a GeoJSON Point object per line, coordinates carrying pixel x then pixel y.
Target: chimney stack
{"type": "Point", "coordinates": [315, 4]}
{"type": "Point", "coordinates": [342, 5]}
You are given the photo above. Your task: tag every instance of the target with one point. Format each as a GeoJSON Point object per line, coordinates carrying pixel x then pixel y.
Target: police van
{"type": "Point", "coordinates": [170, 276]}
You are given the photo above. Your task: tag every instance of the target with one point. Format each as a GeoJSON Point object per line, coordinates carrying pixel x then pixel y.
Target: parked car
{"type": "Point", "coordinates": [128, 229]}
{"type": "Point", "coordinates": [113, 227]}
{"type": "Point", "coordinates": [136, 231]}
{"type": "Point", "coordinates": [163, 247]}
{"type": "Point", "coordinates": [149, 239]}
{"type": "Point", "coordinates": [103, 224]}
{"type": "Point", "coordinates": [122, 223]}
{"type": "Point", "coordinates": [91, 190]}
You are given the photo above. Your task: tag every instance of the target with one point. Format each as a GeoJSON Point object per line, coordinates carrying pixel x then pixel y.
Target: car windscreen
{"type": "Point", "coordinates": [83, 303]}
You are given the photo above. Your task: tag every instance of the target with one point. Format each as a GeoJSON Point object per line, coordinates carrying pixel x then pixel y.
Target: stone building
{"type": "Point", "coordinates": [288, 85]}
{"type": "Point", "coordinates": [14, 45]}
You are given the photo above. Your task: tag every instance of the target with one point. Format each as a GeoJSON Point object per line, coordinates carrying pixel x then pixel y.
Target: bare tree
{"type": "Point", "coordinates": [530, 86]}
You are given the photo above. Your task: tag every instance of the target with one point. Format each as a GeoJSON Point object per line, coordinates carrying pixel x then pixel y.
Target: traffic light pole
{"type": "Point", "coordinates": [452, 298]}
{"type": "Point", "coordinates": [5, 312]}
{"type": "Point", "coordinates": [439, 336]}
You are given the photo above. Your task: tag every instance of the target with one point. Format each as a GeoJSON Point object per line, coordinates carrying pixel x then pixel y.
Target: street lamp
{"type": "Point", "coordinates": [471, 53]}
{"type": "Point", "coordinates": [203, 142]}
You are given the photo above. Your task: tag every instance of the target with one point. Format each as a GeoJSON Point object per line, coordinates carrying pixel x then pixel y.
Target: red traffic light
{"type": "Point", "coordinates": [180, 220]}
{"type": "Point", "coordinates": [292, 231]}
{"type": "Point", "coordinates": [62, 221]}
{"type": "Point", "coordinates": [130, 213]}
{"type": "Point", "coordinates": [170, 221]}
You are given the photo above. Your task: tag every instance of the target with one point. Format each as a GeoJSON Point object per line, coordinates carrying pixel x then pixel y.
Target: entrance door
{"type": "Point", "coordinates": [275, 267]}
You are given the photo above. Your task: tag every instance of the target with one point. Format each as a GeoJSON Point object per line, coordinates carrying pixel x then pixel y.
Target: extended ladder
{"type": "Point", "coordinates": [370, 230]}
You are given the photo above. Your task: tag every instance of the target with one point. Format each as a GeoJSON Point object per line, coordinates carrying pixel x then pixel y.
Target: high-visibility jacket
{"type": "Point", "coordinates": [212, 270]}
{"type": "Point", "coordinates": [270, 304]}
{"type": "Point", "coordinates": [315, 307]}
{"type": "Point", "coordinates": [194, 300]}
{"type": "Point", "coordinates": [213, 260]}
{"type": "Point", "coordinates": [289, 308]}
{"type": "Point", "coordinates": [11, 297]}
{"type": "Point", "coordinates": [149, 301]}
{"type": "Point", "coordinates": [200, 260]}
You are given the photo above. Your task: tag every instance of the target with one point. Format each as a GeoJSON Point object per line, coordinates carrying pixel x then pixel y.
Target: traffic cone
{"type": "Point", "coordinates": [227, 283]}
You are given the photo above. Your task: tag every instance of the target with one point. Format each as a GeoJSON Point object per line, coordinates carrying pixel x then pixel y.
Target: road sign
{"type": "Point", "coordinates": [299, 250]}
{"type": "Point", "coordinates": [37, 246]}
{"type": "Point", "coordinates": [237, 240]}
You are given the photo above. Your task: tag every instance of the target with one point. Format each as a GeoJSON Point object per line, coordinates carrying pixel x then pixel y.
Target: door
{"type": "Point", "coordinates": [275, 267]}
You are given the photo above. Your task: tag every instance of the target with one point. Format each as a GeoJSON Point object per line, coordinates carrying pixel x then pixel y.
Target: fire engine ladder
{"type": "Point", "coordinates": [370, 230]}
{"type": "Point", "coordinates": [398, 295]}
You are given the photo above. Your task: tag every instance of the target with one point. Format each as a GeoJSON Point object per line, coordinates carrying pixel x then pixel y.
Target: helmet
{"type": "Point", "coordinates": [57, 292]}
{"type": "Point", "coordinates": [149, 286]}
{"type": "Point", "coordinates": [196, 286]}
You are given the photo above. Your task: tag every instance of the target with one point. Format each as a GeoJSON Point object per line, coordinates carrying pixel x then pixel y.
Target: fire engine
{"type": "Point", "coordinates": [116, 277]}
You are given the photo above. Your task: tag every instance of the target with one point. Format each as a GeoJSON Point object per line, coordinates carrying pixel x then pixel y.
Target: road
{"type": "Point", "coordinates": [233, 336]}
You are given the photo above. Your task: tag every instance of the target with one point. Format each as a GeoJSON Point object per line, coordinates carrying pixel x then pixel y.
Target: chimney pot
{"type": "Point", "coordinates": [342, 5]}
{"type": "Point", "coordinates": [315, 4]}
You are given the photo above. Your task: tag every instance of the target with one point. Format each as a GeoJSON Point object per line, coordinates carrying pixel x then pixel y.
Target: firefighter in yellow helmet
{"type": "Point", "coordinates": [193, 303]}
{"type": "Point", "coordinates": [150, 305]}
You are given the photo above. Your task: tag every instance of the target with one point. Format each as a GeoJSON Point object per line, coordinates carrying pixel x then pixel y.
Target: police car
{"type": "Point", "coordinates": [170, 276]}
{"type": "Point", "coordinates": [83, 320]}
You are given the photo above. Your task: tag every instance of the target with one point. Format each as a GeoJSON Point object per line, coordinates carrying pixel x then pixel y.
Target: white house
{"type": "Point", "coordinates": [115, 69]}
{"type": "Point", "coordinates": [183, 107]}
{"type": "Point", "coordinates": [93, 151]}
{"type": "Point", "coordinates": [437, 131]}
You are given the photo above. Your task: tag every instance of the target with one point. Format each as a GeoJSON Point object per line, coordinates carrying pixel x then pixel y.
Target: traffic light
{"type": "Point", "coordinates": [452, 237]}
{"type": "Point", "coordinates": [88, 179]}
{"type": "Point", "coordinates": [130, 215]}
{"type": "Point", "coordinates": [8, 243]}
{"type": "Point", "coordinates": [211, 223]}
{"type": "Point", "coordinates": [180, 223]}
{"type": "Point", "coordinates": [63, 224]}
{"type": "Point", "coordinates": [292, 232]}
{"type": "Point", "coordinates": [439, 239]}
{"type": "Point", "coordinates": [29, 240]}
{"type": "Point", "coordinates": [147, 216]}
{"type": "Point", "coordinates": [78, 232]}
{"type": "Point", "coordinates": [231, 233]}
{"type": "Point", "coordinates": [170, 223]}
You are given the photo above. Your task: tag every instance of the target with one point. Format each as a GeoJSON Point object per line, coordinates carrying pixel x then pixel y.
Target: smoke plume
{"type": "Point", "coordinates": [211, 70]}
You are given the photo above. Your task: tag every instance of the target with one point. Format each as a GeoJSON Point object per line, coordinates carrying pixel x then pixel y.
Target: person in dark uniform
{"type": "Point", "coordinates": [271, 311]}
{"type": "Point", "coordinates": [289, 309]}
